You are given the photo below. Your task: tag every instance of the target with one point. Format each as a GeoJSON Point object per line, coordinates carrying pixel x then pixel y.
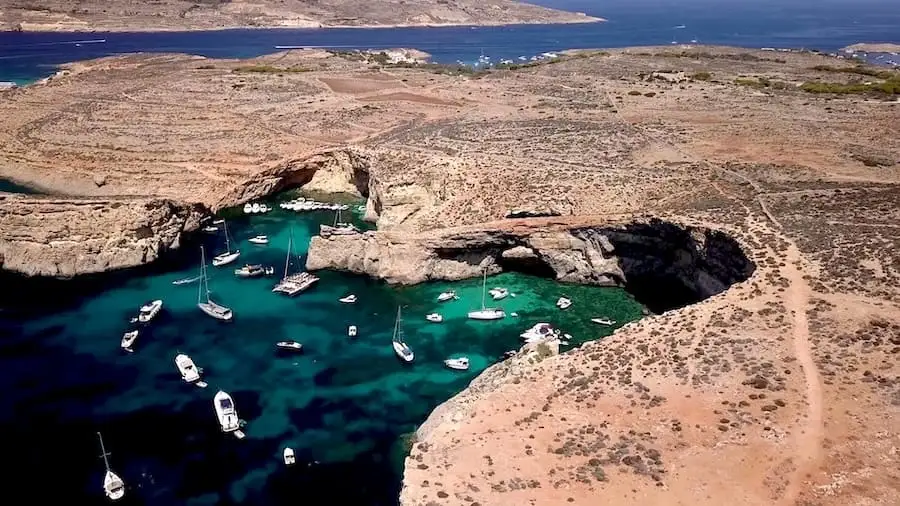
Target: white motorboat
{"type": "Point", "coordinates": [603, 321]}
{"type": "Point", "coordinates": [248, 208]}
{"type": "Point", "coordinates": [349, 299]}
{"type": "Point", "coordinates": [486, 313]}
{"type": "Point", "coordinates": [226, 412]}
{"type": "Point", "coordinates": [460, 364]}
{"type": "Point", "coordinates": [149, 311]}
{"type": "Point", "coordinates": [128, 339]}
{"type": "Point", "coordinates": [563, 303]}
{"type": "Point", "coordinates": [434, 317]}
{"type": "Point", "coordinates": [264, 208]}
{"type": "Point", "coordinates": [289, 458]}
{"type": "Point", "coordinates": [403, 351]}
{"type": "Point", "coordinates": [209, 307]}
{"type": "Point", "coordinates": [113, 486]}
{"type": "Point", "coordinates": [227, 256]}
{"type": "Point", "coordinates": [218, 222]}
{"type": "Point", "coordinates": [253, 271]}
{"type": "Point", "coordinates": [185, 281]}
{"type": "Point", "coordinates": [351, 331]}
{"type": "Point", "coordinates": [445, 296]}
{"type": "Point", "coordinates": [498, 293]}
{"type": "Point", "coordinates": [190, 373]}
{"type": "Point", "coordinates": [209, 229]}
{"type": "Point", "coordinates": [539, 332]}
{"type": "Point", "coordinates": [259, 239]}
{"type": "Point", "coordinates": [289, 345]}
{"type": "Point", "coordinates": [292, 284]}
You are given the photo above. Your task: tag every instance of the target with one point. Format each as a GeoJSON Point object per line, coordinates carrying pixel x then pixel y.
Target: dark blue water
{"type": "Point", "coordinates": [825, 25]}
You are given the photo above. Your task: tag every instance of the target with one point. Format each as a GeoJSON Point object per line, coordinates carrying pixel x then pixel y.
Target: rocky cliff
{"type": "Point", "coordinates": [65, 238]}
{"type": "Point", "coordinates": [683, 263]}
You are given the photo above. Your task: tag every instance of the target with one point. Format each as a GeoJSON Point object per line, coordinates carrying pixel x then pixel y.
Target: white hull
{"type": "Point", "coordinates": [563, 303]}
{"type": "Point", "coordinates": [260, 239]}
{"type": "Point", "coordinates": [603, 321]}
{"type": "Point", "coordinates": [128, 339]}
{"type": "Point", "coordinates": [185, 281]}
{"type": "Point", "coordinates": [216, 311]}
{"type": "Point", "coordinates": [189, 371]}
{"type": "Point", "coordinates": [289, 458]}
{"type": "Point", "coordinates": [289, 345]}
{"type": "Point", "coordinates": [350, 299]}
{"type": "Point", "coordinates": [226, 412]}
{"type": "Point", "coordinates": [248, 208]}
{"type": "Point", "coordinates": [434, 318]}
{"type": "Point", "coordinates": [225, 258]}
{"type": "Point", "coordinates": [499, 293]}
{"type": "Point", "coordinates": [444, 297]}
{"type": "Point", "coordinates": [487, 314]}
{"type": "Point", "coordinates": [113, 486]}
{"type": "Point", "coordinates": [149, 311]}
{"type": "Point", "coordinates": [459, 364]}
{"type": "Point", "coordinates": [352, 330]}
{"type": "Point", "coordinates": [404, 352]}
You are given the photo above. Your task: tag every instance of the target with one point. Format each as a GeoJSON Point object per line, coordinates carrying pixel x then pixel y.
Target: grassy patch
{"type": "Point", "coordinates": [858, 70]}
{"type": "Point", "coordinates": [701, 76]}
{"type": "Point", "coordinates": [889, 87]}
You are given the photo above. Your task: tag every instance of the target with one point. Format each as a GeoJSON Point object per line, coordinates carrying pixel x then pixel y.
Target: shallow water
{"type": "Point", "coordinates": [343, 405]}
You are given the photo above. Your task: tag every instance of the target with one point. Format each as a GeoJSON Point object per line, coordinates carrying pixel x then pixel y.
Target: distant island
{"type": "Point", "coordinates": [184, 15]}
{"type": "Point", "coordinates": [873, 48]}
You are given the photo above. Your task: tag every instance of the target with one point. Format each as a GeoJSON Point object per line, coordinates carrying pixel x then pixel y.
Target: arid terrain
{"type": "Point", "coordinates": [781, 390]}
{"type": "Point", "coordinates": [135, 15]}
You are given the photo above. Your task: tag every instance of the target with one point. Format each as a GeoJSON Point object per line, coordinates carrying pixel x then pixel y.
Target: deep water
{"type": "Point", "coordinates": [343, 405]}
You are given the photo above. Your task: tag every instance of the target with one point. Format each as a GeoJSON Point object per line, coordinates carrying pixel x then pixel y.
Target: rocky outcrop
{"type": "Point", "coordinates": [666, 265]}
{"type": "Point", "coordinates": [65, 238]}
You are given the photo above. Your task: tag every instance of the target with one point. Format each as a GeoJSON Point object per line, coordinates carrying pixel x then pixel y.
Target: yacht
{"type": "Point", "coordinates": [259, 239]}
{"type": "Point", "coordinates": [292, 284]}
{"type": "Point", "coordinates": [349, 299]}
{"type": "Point", "coordinates": [498, 293]}
{"type": "Point", "coordinates": [486, 313]}
{"type": "Point", "coordinates": [253, 271]}
{"type": "Point", "coordinates": [289, 458]}
{"type": "Point", "coordinates": [445, 296]}
{"type": "Point", "coordinates": [459, 364]}
{"type": "Point", "coordinates": [208, 306]}
{"type": "Point", "coordinates": [563, 303]}
{"type": "Point", "coordinates": [603, 321]}
{"type": "Point", "coordinates": [539, 332]}
{"type": "Point", "coordinates": [128, 339]}
{"type": "Point", "coordinates": [113, 486]}
{"type": "Point", "coordinates": [352, 330]}
{"type": "Point", "coordinates": [434, 317]}
{"type": "Point", "coordinates": [227, 414]}
{"type": "Point", "coordinates": [403, 351]}
{"type": "Point", "coordinates": [190, 373]}
{"type": "Point", "coordinates": [228, 256]}
{"type": "Point", "coordinates": [149, 311]}
{"type": "Point", "coordinates": [289, 345]}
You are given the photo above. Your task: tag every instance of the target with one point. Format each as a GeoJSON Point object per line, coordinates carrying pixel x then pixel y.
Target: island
{"type": "Point", "coordinates": [749, 199]}
{"type": "Point", "coordinates": [185, 15]}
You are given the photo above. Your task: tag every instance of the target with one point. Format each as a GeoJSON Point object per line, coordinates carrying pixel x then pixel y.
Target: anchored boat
{"type": "Point", "coordinates": [289, 458]}
{"type": "Point", "coordinates": [292, 284]}
{"type": "Point", "coordinates": [253, 271]}
{"type": "Point", "coordinates": [128, 339]}
{"type": "Point", "coordinates": [403, 351]}
{"type": "Point", "coordinates": [228, 256]}
{"type": "Point", "coordinates": [190, 373]}
{"type": "Point", "coordinates": [260, 239]}
{"type": "Point", "coordinates": [486, 313]}
{"type": "Point", "coordinates": [208, 306]}
{"type": "Point", "coordinates": [289, 345]}
{"type": "Point", "coordinates": [149, 311]}
{"type": "Point", "coordinates": [434, 317]}
{"type": "Point", "coordinates": [445, 296]}
{"type": "Point", "coordinates": [227, 414]}
{"type": "Point", "coordinates": [459, 364]}
{"type": "Point", "coordinates": [113, 486]}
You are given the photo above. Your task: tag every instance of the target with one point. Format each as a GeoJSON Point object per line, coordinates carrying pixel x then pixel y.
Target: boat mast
{"type": "Point", "coordinates": [204, 282]}
{"type": "Point", "coordinates": [103, 449]}
{"type": "Point", "coordinates": [397, 336]}
{"type": "Point", "coordinates": [287, 259]}
{"type": "Point", "coordinates": [227, 242]}
{"type": "Point", "coordinates": [483, 287]}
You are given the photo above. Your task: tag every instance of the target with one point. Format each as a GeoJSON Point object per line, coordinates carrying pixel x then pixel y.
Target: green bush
{"type": "Point", "coordinates": [701, 76]}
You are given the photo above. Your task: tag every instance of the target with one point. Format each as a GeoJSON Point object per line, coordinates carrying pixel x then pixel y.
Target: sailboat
{"type": "Point", "coordinates": [293, 284]}
{"type": "Point", "coordinates": [113, 486]}
{"type": "Point", "coordinates": [209, 307]}
{"type": "Point", "coordinates": [401, 348]}
{"type": "Point", "coordinates": [486, 313]}
{"type": "Point", "coordinates": [343, 226]}
{"type": "Point", "coordinates": [228, 256]}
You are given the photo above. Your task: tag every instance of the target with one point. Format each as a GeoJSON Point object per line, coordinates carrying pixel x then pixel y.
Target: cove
{"type": "Point", "coordinates": [344, 405]}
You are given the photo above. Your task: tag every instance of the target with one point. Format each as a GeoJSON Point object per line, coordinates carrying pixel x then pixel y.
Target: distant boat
{"type": "Point", "coordinates": [352, 330]}
{"type": "Point", "coordinates": [289, 345]}
{"type": "Point", "coordinates": [486, 313]}
{"type": "Point", "coordinates": [228, 256]}
{"type": "Point", "coordinates": [445, 296]}
{"type": "Point", "coordinates": [227, 414]}
{"type": "Point", "coordinates": [498, 293]}
{"type": "Point", "coordinates": [113, 486]}
{"type": "Point", "coordinates": [603, 321]}
{"type": "Point", "coordinates": [253, 271]}
{"type": "Point", "coordinates": [349, 299]}
{"type": "Point", "coordinates": [539, 332]}
{"type": "Point", "coordinates": [185, 281]}
{"type": "Point", "coordinates": [460, 364]}
{"type": "Point", "coordinates": [149, 311]}
{"type": "Point", "coordinates": [341, 225]}
{"type": "Point", "coordinates": [128, 339]}
{"type": "Point", "coordinates": [289, 458]}
{"type": "Point", "coordinates": [209, 307]}
{"type": "Point", "coordinates": [260, 239]}
{"type": "Point", "coordinates": [248, 208]}
{"type": "Point", "coordinates": [189, 372]}
{"type": "Point", "coordinates": [563, 303]}
{"type": "Point", "coordinates": [210, 229]}
{"type": "Point", "coordinates": [434, 318]}
{"type": "Point", "coordinates": [400, 347]}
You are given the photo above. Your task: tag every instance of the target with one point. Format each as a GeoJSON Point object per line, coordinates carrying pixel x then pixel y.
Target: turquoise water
{"type": "Point", "coordinates": [343, 405]}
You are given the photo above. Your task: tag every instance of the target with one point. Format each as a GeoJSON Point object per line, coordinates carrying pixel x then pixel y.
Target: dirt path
{"type": "Point", "coordinates": [809, 439]}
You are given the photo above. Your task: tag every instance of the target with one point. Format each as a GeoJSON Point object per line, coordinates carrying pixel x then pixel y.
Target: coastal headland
{"type": "Point", "coordinates": [183, 15]}
{"type": "Point", "coordinates": [752, 195]}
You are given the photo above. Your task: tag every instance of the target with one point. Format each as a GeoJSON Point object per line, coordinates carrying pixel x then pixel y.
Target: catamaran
{"type": "Point", "coordinates": [293, 284]}
{"type": "Point", "coordinates": [209, 307]}
{"type": "Point", "coordinates": [190, 373]}
{"type": "Point", "coordinates": [149, 311]}
{"type": "Point", "coordinates": [128, 339]}
{"type": "Point", "coordinates": [227, 414]}
{"type": "Point", "coordinates": [113, 486]}
{"type": "Point", "coordinates": [228, 256]}
{"type": "Point", "coordinates": [486, 313]}
{"type": "Point", "coordinates": [401, 348]}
